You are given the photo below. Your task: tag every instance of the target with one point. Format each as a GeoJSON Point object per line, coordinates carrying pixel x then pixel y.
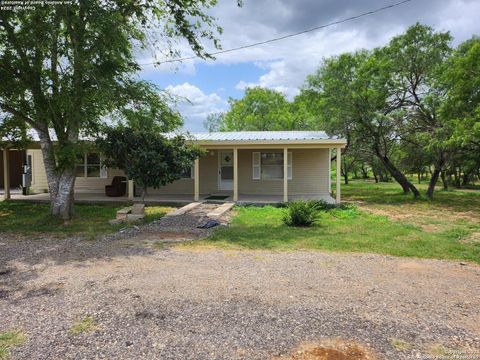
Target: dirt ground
{"type": "Point", "coordinates": [147, 302]}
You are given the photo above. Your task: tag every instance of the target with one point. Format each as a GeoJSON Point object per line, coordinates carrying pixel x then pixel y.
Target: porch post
{"type": "Point", "coordinates": [6, 174]}
{"type": "Point", "coordinates": [235, 174]}
{"type": "Point", "coordinates": [196, 181]}
{"type": "Point", "coordinates": [339, 173]}
{"type": "Point", "coordinates": [131, 193]}
{"type": "Point", "coordinates": [285, 174]}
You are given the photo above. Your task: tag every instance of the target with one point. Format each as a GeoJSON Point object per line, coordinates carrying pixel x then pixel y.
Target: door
{"type": "Point", "coordinates": [225, 170]}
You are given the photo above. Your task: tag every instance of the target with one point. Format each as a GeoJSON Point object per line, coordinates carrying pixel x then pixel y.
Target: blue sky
{"type": "Point", "coordinates": [284, 65]}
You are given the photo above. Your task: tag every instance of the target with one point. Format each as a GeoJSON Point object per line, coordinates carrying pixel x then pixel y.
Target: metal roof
{"type": "Point", "coordinates": [239, 137]}
{"type": "Point", "coordinates": [260, 136]}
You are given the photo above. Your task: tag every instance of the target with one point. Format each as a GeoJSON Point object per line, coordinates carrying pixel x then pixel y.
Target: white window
{"type": "Point", "coordinates": [90, 165]}
{"type": "Point", "coordinates": [188, 173]}
{"type": "Point", "coordinates": [269, 165]}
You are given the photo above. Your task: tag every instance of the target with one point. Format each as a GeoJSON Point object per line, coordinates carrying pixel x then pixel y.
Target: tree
{"type": "Point", "coordinates": [260, 109]}
{"type": "Point", "coordinates": [354, 101]}
{"type": "Point", "coordinates": [416, 59]}
{"type": "Point", "coordinates": [461, 77]}
{"type": "Point", "coordinates": [65, 68]}
{"type": "Point", "coordinates": [147, 157]}
{"type": "Point", "coordinates": [214, 121]}
{"type": "Point", "coordinates": [13, 134]}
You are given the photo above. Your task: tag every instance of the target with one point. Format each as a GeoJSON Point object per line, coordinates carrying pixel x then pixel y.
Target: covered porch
{"type": "Point", "coordinates": [254, 174]}
{"type": "Point", "coordinates": [174, 199]}
{"type": "Point", "coordinates": [266, 173]}
{"type": "Point", "coordinates": [245, 167]}
{"type": "Point", "coordinates": [11, 164]}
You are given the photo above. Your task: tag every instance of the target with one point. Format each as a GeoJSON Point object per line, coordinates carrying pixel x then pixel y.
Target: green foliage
{"type": "Point", "coordinates": [85, 325]}
{"type": "Point", "coordinates": [461, 76]}
{"type": "Point", "coordinates": [9, 340]}
{"type": "Point", "coordinates": [260, 109]}
{"type": "Point", "coordinates": [146, 108]}
{"type": "Point", "coordinates": [147, 157]}
{"type": "Point", "coordinates": [213, 122]}
{"type": "Point", "coordinates": [65, 69]}
{"type": "Point", "coordinates": [302, 213]}
{"type": "Point", "coordinates": [409, 106]}
{"type": "Point", "coordinates": [13, 133]}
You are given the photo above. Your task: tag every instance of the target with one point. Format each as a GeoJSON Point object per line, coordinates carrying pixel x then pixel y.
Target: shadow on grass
{"type": "Point", "coordinates": [458, 200]}
{"type": "Point", "coordinates": [30, 236]}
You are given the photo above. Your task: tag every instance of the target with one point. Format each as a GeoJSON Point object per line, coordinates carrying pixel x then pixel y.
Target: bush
{"type": "Point", "coordinates": [303, 213]}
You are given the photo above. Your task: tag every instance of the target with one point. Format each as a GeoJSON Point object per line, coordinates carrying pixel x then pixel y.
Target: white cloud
{"type": "Point", "coordinates": [285, 64]}
{"type": "Point", "coordinates": [195, 105]}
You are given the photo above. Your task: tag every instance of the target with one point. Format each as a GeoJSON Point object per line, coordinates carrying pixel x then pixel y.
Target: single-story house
{"type": "Point", "coordinates": [243, 166]}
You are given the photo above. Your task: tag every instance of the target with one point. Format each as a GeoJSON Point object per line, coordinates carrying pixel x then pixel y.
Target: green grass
{"type": "Point", "coordinates": [84, 325]}
{"type": "Point", "coordinates": [89, 220]}
{"type": "Point", "coordinates": [360, 229]}
{"type": "Point", "coordinates": [9, 340]}
{"type": "Point", "coordinates": [400, 344]}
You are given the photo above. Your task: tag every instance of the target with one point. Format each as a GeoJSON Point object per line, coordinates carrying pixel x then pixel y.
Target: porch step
{"type": "Point", "coordinates": [184, 209]}
{"type": "Point", "coordinates": [219, 211]}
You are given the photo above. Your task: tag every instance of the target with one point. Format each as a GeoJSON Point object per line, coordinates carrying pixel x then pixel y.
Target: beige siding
{"type": "Point", "coordinates": [39, 177]}
{"type": "Point", "coordinates": [208, 179]}
{"type": "Point", "coordinates": [310, 175]}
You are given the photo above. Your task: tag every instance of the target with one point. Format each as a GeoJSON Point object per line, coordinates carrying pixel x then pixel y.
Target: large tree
{"type": "Point", "coordinates": [351, 94]}
{"type": "Point", "coordinates": [416, 60]}
{"type": "Point", "coordinates": [65, 68]}
{"type": "Point", "coordinates": [260, 109]}
{"type": "Point", "coordinates": [461, 77]}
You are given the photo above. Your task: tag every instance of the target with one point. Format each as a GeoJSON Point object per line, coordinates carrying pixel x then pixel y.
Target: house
{"type": "Point", "coordinates": [243, 166]}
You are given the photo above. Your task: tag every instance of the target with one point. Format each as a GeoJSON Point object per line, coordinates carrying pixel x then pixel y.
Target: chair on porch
{"type": "Point", "coordinates": [117, 188]}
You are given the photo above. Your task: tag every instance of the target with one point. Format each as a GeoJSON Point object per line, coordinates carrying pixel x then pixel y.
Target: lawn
{"type": "Point", "coordinates": [382, 220]}
{"type": "Point", "coordinates": [89, 220]}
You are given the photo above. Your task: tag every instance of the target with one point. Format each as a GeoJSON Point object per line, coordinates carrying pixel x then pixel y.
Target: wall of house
{"type": "Point", "coordinates": [40, 184]}
{"type": "Point", "coordinates": [310, 175]}
{"type": "Point", "coordinates": [208, 179]}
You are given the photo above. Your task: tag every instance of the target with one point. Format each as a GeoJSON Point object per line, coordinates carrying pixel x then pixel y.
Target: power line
{"type": "Point", "coordinates": [371, 12]}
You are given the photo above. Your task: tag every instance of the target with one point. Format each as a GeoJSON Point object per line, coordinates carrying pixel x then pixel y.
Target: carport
{"type": "Point", "coordinates": [11, 162]}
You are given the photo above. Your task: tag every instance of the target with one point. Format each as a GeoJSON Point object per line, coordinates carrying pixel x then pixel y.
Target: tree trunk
{"type": "Point", "coordinates": [406, 185]}
{"type": "Point", "coordinates": [62, 203]}
{"type": "Point", "coordinates": [419, 178]}
{"type": "Point", "coordinates": [375, 177]}
{"type": "Point", "coordinates": [344, 172]}
{"type": "Point", "coordinates": [364, 172]}
{"type": "Point", "coordinates": [434, 178]}
{"type": "Point", "coordinates": [60, 184]}
{"type": "Point", "coordinates": [444, 180]}
{"type": "Point", "coordinates": [433, 181]}
{"type": "Point", "coordinates": [456, 178]}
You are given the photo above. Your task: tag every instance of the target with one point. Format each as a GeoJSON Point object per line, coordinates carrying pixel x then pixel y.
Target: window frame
{"type": "Point", "coordinates": [257, 170]}
{"type": "Point", "coordinates": [192, 174]}
{"type": "Point", "coordinates": [102, 169]}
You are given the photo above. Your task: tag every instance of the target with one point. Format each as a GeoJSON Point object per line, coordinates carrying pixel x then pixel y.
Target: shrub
{"type": "Point", "coordinates": [303, 213]}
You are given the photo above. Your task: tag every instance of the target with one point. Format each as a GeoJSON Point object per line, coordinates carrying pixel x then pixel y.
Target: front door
{"type": "Point", "coordinates": [225, 170]}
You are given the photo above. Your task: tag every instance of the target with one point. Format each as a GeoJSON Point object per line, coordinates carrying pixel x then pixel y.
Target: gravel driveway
{"type": "Point", "coordinates": [210, 304]}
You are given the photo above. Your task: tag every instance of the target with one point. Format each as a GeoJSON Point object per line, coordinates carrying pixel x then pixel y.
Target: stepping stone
{"type": "Point", "coordinates": [222, 209]}
{"type": "Point", "coordinates": [138, 209]}
{"type": "Point", "coordinates": [184, 209]}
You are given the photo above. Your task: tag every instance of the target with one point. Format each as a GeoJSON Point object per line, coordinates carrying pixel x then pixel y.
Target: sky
{"type": "Point", "coordinates": [204, 87]}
